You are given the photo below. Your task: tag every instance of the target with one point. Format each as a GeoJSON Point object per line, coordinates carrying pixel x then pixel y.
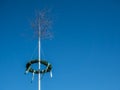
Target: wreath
{"type": "Point", "coordinates": [30, 69]}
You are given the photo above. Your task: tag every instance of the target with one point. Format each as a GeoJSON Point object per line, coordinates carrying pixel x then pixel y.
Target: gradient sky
{"type": "Point", "coordinates": [85, 50]}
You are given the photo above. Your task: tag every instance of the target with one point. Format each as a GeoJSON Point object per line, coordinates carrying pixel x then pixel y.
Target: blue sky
{"type": "Point", "coordinates": [85, 50]}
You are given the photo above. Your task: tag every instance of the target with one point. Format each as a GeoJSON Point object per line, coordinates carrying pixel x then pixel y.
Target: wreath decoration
{"type": "Point", "coordinates": [31, 70]}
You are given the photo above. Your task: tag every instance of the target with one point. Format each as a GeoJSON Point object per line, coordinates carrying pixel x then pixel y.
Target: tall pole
{"type": "Point", "coordinates": [41, 25]}
{"type": "Point", "coordinates": [39, 47]}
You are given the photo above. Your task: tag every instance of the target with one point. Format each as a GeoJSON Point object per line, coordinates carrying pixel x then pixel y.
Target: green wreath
{"type": "Point", "coordinates": [30, 69]}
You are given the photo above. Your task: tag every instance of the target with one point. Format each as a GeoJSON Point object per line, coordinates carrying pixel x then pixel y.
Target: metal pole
{"type": "Point", "coordinates": [39, 47]}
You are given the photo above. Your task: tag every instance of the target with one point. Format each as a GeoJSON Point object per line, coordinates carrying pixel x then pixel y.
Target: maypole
{"type": "Point", "coordinates": [39, 54]}
{"type": "Point", "coordinates": [41, 26]}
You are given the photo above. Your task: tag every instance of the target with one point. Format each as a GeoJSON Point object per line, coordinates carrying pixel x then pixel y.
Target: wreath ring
{"type": "Point", "coordinates": [30, 69]}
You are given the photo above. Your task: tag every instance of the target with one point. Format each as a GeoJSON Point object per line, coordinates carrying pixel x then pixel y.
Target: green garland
{"type": "Point", "coordinates": [30, 69]}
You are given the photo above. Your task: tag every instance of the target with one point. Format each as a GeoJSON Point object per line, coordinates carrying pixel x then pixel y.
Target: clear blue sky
{"type": "Point", "coordinates": [85, 50]}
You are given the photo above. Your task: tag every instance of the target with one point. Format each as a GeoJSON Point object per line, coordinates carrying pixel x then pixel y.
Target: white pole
{"type": "Point", "coordinates": [39, 46]}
